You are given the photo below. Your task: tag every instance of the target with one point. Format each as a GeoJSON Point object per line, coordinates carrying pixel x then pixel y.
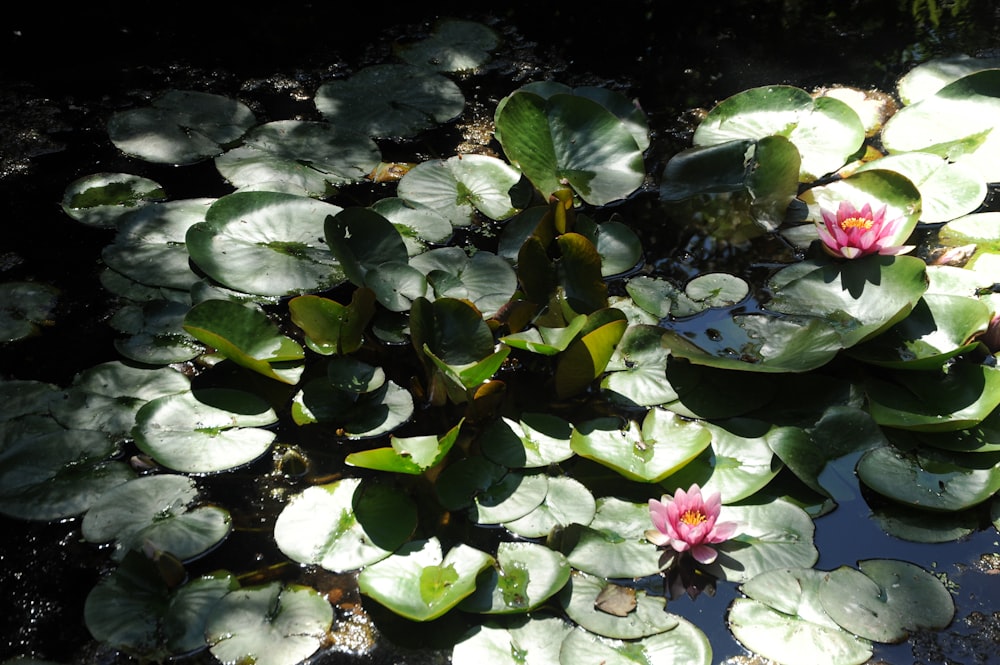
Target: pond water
{"type": "Point", "coordinates": [672, 60]}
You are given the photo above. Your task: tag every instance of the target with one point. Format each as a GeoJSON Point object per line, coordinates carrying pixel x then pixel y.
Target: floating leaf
{"type": "Point", "coordinates": [413, 455]}
{"type": "Point", "coordinates": [420, 583]}
{"type": "Point", "coordinates": [614, 543]}
{"type": "Point", "coordinates": [459, 187]}
{"type": "Point", "coordinates": [246, 336]}
{"type": "Point", "coordinates": [206, 431]}
{"type": "Point", "coordinates": [332, 328]}
{"type": "Point", "coordinates": [180, 127]}
{"type": "Point", "coordinates": [157, 512]}
{"type": "Point", "coordinates": [100, 199]}
{"type": "Point", "coordinates": [453, 46]}
{"type": "Point", "coordinates": [525, 576]}
{"type": "Point", "coordinates": [345, 525]}
{"type": "Point", "coordinates": [355, 416]}
{"type": "Point", "coordinates": [580, 597]}
{"type": "Point", "coordinates": [516, 640]}
{"type": "Point", "coordinates": [271, 624]}
{"type": "Point", "coordinates": [535, 440]}
{"type": "Point", "coordinates": [389, 100]}
{"type": "Point", "coordinates": [24, 308]}
{"type": "Point", "coordinates": [567, 501]}
{"type": "Point", "coordinates": [266, 243]}
{"type": "Point", "coordinates": [156, 334]}
{"type": "Point", "coordinates": [684, 645]}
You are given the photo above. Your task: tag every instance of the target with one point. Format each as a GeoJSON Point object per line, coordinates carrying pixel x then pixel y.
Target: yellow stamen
{"type": "Point", "coordinates": [693, 517]}
{"type": "Point", "coordinates": [856, 223]}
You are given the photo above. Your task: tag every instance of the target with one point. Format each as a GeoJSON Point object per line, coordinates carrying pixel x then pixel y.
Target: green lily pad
{"type": "Point", "coordinates": [421, 583]}
{"type": "Point", "coordinates": [330, 327]}
{"type": "Point", "coordinates": [684, 645]}
{"type": "Point", "coordinates": [947, 190]}
{"type": "Point", "coordinates": [48, 472]}
{"type": "Point", "coordinates": [738, 462]}
{"type": "Point", "coordinates": [664, 444]}
{"type": "Point", "coordinates": [24, 308]}
{"type": "Point", "coordinates": [453, 46]}
{"type": "Point", "coordinates": [419, 225]}
{"type": "Point", "coordinates": [355, 416]}
{"type": "Point", "coordinates": [567, 501]}
{"type": "Point", "coordinates": [266, 243]}
{"type": "Point", "coordinates": [938, 328]}
{"type": "Point", "coordinates": [983, 437]}
{"type": "Point", "coordinates": [24, 397]}
{"type": "Point", "coordinates": [826, 131]}
{"type": "Point", "coordinates": [585, 358]}
{"type": "Point", "coordinates": [788, 638]}
{"type": "Point", "coordinates": [345, 525]}
{"type": "Point", "coordinates": [149, 245]}
{"type": "Point", "coordinates": [614, 543]}
{"type": "Point", "coordinates": [271, 624]}
{"type": "Point", "coordinates": [534, 440]}
{"type": "Point", "coordinates": [636, 373]}
{"type": "Point", "coordinates": [770, 536]}
{"type": "Point", "coordinates": [459, 187]}
{"type": "Point", "coordinates": [390, 100]}
{"type": "Point", "coordinates": [886, 600]}
{"type": "Point", "coordinates": [512, 496]}
{"type": "Point", "coordinates": [952, 398]}
{"type": "Point", "coordinates": [246, 336]}
{"type": "Point", "coordinates": [100, 199]}
{"type": "Point", "coordinates": [570, 139]}
{"type": "Point", "coordinates": [647, 617]}
{"type": "Point", "coordinates": [916, 525]}
{"type": "Point", "coordinates": [618, 245]}
{"type": "Point", "coordinates": [525, 576]}
{"type": "Point", "coordinates": [484, 279]}
{"type": "Point", "coordinates": [206, 431]}
{"type": "Point", "coordinates": [930, 479]}
{"type": "Point", "coordinates": [180, 127]}
{"type": "Point", "coordinates": [514, 640]}
{"type": "Point", "coordinates": [858, 298]}
{"type": "Point", "coordinates": [545, 340]}
{"type": "Point", "coordinates": [928, 77]}
{"type": "Point", "coordinates": [157, 512]}
{"type": "Point", "coordinates": [413, 455]}
{"type": "Point", "coordinates": [300, 156]}
{"type": "Point", "coordinates": [106, 397]}
{"type": "Point", "coordinates": [134, 610]}
{"type": "Point", "coordinates": [955, 122]}
{"type": "Point", "coordinates": [156, 334]}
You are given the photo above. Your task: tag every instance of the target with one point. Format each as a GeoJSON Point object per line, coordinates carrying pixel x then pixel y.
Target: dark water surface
{"type": "Point", "coordinates": [64, 71]}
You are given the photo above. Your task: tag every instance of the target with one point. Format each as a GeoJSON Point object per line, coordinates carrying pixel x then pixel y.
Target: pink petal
{"type": "Point", "coordinates": [704, 554]}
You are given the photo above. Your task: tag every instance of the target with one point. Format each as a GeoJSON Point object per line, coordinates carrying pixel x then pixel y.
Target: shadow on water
{"type": "Point", "coordinates": [64, 71]}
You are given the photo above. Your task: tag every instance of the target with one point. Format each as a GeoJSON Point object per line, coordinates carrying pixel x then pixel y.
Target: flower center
{"type": "Point", "coordinates": [856, 223]}
{"type": "Point", "coordinates": [693, 517]}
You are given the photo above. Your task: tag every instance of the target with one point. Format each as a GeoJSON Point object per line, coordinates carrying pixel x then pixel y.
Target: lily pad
{"type": "Point", "coordinates": [787, 638]}
{"type": "Point", "coordinates": [770, 536]}
{"type": "Point", "coordinates": [421, 583]}
{"type": "Point", "coordinates": [525, 576]}
{"type": "Point", "coordinates": [931, 479]}
{"type": "Point", "coordinates": [390, 101]}
{"type": "Point", "coordinates": [614, 543]}
{"type": "Point", "coordinates": [648, 616]}
{"type": "Point", "coordinates": [134, 610]}
{"type": "Point", "coordinates": [453, 46]}
{"type": "Point", "coordinates": [664, 444]}
{"type": "Point", "coordinates": [570, 139]}
{"type": "Point", "coordinates": [206, 431]}
{"type": "Point", "coordinates": [25, 307]}
{"type": "Point", "coordinates": [484, 279]}
{"type": "Point", "coordinates": [149, 246]}
{"type": "Point", "coordinates": [180, 127]}
{"type": "Point", "coordinates": [928, 77]}
{"type": "Point", "coordinates": [534, 440]}
{"type": "Point", "coordinates": [157, 512]}
{"type": "Point", "coordinates": [266, 243]}
{"type": "Point", "coordinates": [155, 333]}
{"type": "Point", "coordinates": [515, 640]}
{"type": "Point", "coordinates": [953, 398]}
{"type": "Point", "coordinates": [271, 624]}
{"type": "Point", "coordinates": [299, 156]}
{"type": "Point", "coordinates": [567, 501]}
{"type": "Point", "coordinates": [106, 397]}
{"type": "Point", "coordinates": [636, 373]}
{"type": "Point", "coordinates": [48, 472]}
{"type": "Point", "coordinates": [246, 336]}
{"type": "Point", "coordinates": [886, 600]}
{"type": "Point", "coordinates": [513, 496]}
{"type": "Point", "coordinates": [413, 454]}
{"type": "Point", "coordinates": [100, 199]}
{"type": "Point", "coordinates": [955, 122]}
{"type": "Point", "coordinates": [344, 525]}
{"type": "Point", "coordinates": [826, 131]}
{"type": "Point", "coordinates": [684, 645]}
{"type": "Point", "coordinates": [458, 188]}
{"type": "Point", "coordinates": [355, 416]}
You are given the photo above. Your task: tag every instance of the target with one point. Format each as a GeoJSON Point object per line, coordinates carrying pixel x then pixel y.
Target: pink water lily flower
{"type": "Point", "coordinates": [688, 522]}
{"type": "Point", "coordinates": [851, 233]}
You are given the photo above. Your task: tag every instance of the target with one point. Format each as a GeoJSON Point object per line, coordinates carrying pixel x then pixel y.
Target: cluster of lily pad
{"type": "Point", "coordinates": [507, 389]}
